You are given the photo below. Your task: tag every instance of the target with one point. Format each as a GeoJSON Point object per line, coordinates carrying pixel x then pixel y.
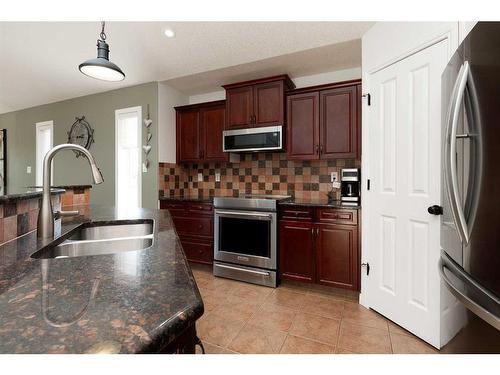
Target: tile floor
{"type": "Point", "coordinates": [294, 318]}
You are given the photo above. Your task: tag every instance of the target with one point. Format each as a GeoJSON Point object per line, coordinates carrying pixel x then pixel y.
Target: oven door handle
{"type": "Point", "coordinates": [244, 215]}
{"type": "Point", "coordinates": [263, 273]}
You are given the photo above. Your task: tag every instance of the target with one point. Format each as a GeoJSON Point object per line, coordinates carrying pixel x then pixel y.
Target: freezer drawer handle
{"type": "Point", "coordinates": [476, 308]}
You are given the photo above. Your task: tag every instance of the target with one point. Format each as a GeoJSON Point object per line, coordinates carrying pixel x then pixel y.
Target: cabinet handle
{"type": "Point", "coordinates": [320, 149]}
{"type": "Point", "coordinates": [312, 232]}
{"type": "Point", "coordinates": [317, 232]}
{"type": "Point", "coordinates": [317, 149]}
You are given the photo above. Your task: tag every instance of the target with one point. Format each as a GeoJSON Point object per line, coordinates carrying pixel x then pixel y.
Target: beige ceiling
{"type": "Point", "coordinates": [39, 60]}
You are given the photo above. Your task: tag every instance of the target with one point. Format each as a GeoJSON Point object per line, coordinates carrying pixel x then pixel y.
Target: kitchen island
{"type": "Point", "coordinates": [143, 301]}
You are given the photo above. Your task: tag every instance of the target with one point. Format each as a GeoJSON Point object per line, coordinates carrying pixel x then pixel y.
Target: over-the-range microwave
{"type": "Point", "coordinates": [269, 138]}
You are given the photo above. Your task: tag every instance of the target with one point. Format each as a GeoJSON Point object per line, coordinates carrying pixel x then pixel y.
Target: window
{"type": "Point", "coordinates": [128, 140]}
{"type": "Point", "coordinates": [44, 142]}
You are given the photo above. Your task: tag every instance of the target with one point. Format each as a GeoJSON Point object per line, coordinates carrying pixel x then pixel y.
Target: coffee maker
{"type": "Point", "coordinates": [350, 187]}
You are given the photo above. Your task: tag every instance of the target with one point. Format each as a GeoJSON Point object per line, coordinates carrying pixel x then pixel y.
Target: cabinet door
{"type": "Point", "coordinates": [296, 251]}
{"type": "Point", "coordinates": [338, 123]}
{"type": "Point", "coordinates": [188, 135]}
{"type": "Point", "coordinates": [239, 107]}
{"type": "Point", "coordinates": [212, 125]}
{"type": "Point", "coordinates": [303, 126]}
{"type": "Point", "coordinates": [269, 106]}
{"type": "Point", "coordinates": [337, 256]}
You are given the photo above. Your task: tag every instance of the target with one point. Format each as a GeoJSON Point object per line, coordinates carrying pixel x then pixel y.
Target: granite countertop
{"type": "Point", "coordinates": [144, 299]}
{"type": "Point", "coordinates": [317, 203]}
{"type": "Point", "coordinates": [25, 193]}
{"type": "Point", "coordinates": [65, 187]}
{"type": "Point", "coordinates": [190, 198]}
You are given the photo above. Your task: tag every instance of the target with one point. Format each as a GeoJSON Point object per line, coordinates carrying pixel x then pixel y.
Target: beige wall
{"type": "Point", "coordinates": [99, 111]}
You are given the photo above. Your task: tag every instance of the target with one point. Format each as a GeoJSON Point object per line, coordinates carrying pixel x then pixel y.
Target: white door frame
{"type": "Point", "coordinates": [39, 126]}
{"type": "Point", "coordinates": [118, 112]}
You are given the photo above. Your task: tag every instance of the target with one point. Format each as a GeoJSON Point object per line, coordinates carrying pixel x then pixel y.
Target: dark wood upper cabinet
{"type": "Point", "coordinates": [303, 126]}
{"type": "Point", "coordinates": [324, 122]}
{"type": "Point", "coordinates": [212, 122]}
{"type": "Point", "coordinates": [338, 123]}
{"type": "Point", "coordinates": [337, 252]}
{"type": "Point", "coordinates": [297, 251]}
{"type": "Point", "coordinates": [257, 103]}
{"type": "Point", "coordinates": [199, 132]}
{"type": "Point", "coordinates": [188, 135]}
{"type": "Point", "coordinates": [239, 107]}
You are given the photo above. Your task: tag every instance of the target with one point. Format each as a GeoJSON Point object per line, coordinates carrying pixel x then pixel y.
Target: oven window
{"type": "Point", "coordinates": [245, 237]}
{"type": "Point", "coordinates": [249, 141]}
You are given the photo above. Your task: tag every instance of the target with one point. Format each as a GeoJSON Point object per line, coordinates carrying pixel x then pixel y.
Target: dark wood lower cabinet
{"type": "Point", "coordinates": [296, 251]}
{"type": "Point", "coordinates": [337, 255]}
{"type": "Point", "coordinates": [321, 248]}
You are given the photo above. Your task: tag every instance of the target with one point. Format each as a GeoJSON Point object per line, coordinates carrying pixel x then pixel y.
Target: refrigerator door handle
{"type": "Point", "coordinates": [470, 284]}
{"type": "Point", "coordinates": [451, 177]}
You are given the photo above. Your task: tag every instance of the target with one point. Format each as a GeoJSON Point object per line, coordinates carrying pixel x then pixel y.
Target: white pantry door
{"type": "Point", "coordinates": [404, 171]}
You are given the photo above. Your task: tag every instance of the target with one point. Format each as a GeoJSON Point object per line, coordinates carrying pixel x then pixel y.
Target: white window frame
{"type": "Point", "coordinates": [39, 126]}
{"type": "Point", "coordinates": [119, 112]}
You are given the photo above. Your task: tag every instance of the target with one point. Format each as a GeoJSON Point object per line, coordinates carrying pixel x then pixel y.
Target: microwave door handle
{"type": "Point", "coordinates": [451, 177]}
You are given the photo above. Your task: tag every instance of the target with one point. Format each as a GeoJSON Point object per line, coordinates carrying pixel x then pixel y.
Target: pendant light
{"type": "Point", "coordinates": [100, 67]}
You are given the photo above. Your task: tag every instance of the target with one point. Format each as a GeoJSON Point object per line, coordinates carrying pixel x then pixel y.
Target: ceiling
{"type": "Point", "coordinates": [39, 60]}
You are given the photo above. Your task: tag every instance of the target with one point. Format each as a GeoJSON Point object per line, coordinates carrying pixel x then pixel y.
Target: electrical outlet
{"type": "Point", "coordinates": [200, 177]}
{"type": "Point", "coordinates": [217, 176]}
{"type": "Point", "coordinates": [28, 169]}
{"type": "Point", "coordinates": [334, 176]}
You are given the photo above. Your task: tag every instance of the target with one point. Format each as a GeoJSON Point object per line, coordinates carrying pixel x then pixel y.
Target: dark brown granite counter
{"type": "Point", "coordinates": [188, 199]}
{"type": "Point", "coordinates": [66, 187]}
{"type": "Point", "coordinates": [317, 203]}
{"type": "Point", "coordinates": [13, 194]}
{"type": "Point", "coordinates": [143, 299]}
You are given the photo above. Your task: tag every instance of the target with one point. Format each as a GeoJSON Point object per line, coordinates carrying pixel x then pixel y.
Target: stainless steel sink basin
{"type": "Point", "coordinates": [101, 238]}
{"type": "Point", "coordinates": [113, 231]}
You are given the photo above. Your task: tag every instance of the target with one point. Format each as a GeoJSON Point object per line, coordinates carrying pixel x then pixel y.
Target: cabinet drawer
{"type": "Point", "coordinates": [297, 213]}
{"type": "Point", "coordinates": [197, 226]}
{"type": "Point", "coordinates": [200, 208]}
{"type": "Point", "coordinates": [339, 216]}
{"type": "Point", "coordinates": [200, 252]}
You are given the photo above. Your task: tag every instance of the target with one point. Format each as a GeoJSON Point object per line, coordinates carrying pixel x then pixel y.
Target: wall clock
{"type": "Point", "coordinates": [81, 134]}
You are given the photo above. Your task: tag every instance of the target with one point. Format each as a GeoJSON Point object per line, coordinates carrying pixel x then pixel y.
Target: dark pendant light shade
{"type": "Point", "coordinates": [100, 67]}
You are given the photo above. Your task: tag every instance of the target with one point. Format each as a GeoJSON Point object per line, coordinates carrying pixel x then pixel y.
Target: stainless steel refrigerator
{"type": "Point", "coordinates": [470, 225]}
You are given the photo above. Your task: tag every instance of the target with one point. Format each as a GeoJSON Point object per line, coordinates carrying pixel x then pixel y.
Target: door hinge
{"type": "Point", "coordinates": [368, 184]}
{"type": "Point", "coordinates": [368, 98]}
{"type": "Point", "coordinates": [367, 265]}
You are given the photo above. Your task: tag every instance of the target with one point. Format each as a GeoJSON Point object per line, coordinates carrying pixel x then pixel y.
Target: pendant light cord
{"type": "Point", "coordinates": [102, 35]}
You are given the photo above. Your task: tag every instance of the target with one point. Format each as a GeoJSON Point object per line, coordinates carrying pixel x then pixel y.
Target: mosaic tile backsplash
{"type": "Point", "coordinates": [260, 173]}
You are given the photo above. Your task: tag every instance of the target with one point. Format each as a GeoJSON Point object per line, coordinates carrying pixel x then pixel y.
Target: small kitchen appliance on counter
{"type": "Point", "coordinates": [350, 186]}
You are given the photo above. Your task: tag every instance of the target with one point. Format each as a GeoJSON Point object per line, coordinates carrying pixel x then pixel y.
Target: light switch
{"type": "Point", "coordinates": [217, 176]}
{"type": "Point", "coordinates": [28, 169]}
{"type": "Point", "coordinates": [334, 176]}
{"type": "Point", "coordinates": [200, 177]}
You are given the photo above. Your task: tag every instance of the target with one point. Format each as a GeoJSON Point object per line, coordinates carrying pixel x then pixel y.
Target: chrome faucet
{"type": "Point", "coordinates": [45, 228]}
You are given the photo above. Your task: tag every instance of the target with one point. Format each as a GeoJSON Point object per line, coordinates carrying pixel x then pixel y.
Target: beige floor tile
{"type": "Point", "coordinates": [217, 284]}
{"type": "Point", "coordinates": [274, 317]}
{"type": "Point", "coordinates": [236, 308]}
{"type": "Point", "coordinates": [354, 313]}
{"type": "Point", "coordinates": [316, 328]}
{"type": "Point", "coordinates": [212, 300]}
{"type": "Point", "coordinates": [218, 330]}
{"type": "Point", "coordinates": [394, 328]}
{"type": "Point", "coordinates": [299, 345]}
{"type": "Point", "coordinates": [362, 339]}
{"type": "Point", "coordinates": [295, 287]}
{"type": "Point", "coordinates": [343, 351]}
{"type": "Point", "coordinates": [256, 340]}
{"type": "Point", "coordinates": [250, 292]}
{"type": "Point", "coordinates": [327, 307]}
{"type": "Point", "coordinates": [405, 344]}
{"type": "Point", "coordinates": [282, 297]}
{"type": "Point", "coordinates": [324, 291]}
{"type": "Point", "coordinates": [209, 349]}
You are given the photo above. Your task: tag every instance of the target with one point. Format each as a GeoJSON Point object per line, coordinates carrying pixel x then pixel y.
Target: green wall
{"type": "Point", "coordinates": [99, 111]}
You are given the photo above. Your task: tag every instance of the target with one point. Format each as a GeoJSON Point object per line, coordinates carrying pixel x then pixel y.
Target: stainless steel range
{"type": "Point", "coordinates": [245, 233]}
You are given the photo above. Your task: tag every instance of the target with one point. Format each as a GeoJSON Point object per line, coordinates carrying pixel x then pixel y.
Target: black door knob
{"type": "Point", "coordinates": [435, 210]}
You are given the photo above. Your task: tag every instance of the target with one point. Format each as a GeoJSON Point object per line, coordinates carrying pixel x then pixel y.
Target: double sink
{"type": "Point", "coordinates": [99, 238]}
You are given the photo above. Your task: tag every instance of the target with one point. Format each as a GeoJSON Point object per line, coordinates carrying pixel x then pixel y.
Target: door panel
{"type": "Point", "coordinates": [239, 107]}
{"type": "Point", "coordinates": [296, 251]}
{"type": "Point", "coordinates": [188, 135]}
{"type": "Point", "coordinates": [268, 104]}
{"type": "Point", "coordinates": [212, 124]}
{"type": "Point", "coordinates": [404, 169]}
{"type": "Point", "coordinates": [303, 126]}
{"type": "Point", "coordinates": [338, 122]}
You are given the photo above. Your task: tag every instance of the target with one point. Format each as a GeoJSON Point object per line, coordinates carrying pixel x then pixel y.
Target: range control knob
{"type": "Point", "coordinates": [435, 210]}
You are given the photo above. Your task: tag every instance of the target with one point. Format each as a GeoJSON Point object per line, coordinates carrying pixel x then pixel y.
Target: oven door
{"type": "Point", "coordinates": [246, 237]}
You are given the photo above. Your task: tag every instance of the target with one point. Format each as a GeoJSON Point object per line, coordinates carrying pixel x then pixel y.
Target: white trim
{"type": "Point", "coordinates": [118, 112]}
{"type": "Point", "coordinates": [38, 127]}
